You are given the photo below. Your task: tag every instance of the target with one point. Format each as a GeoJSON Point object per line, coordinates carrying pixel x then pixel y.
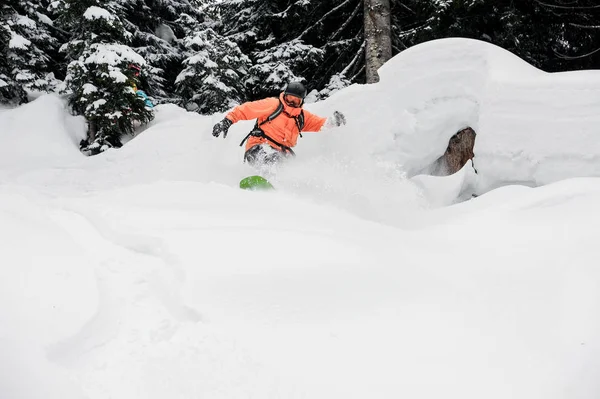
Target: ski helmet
{"type": "Point", "coordinates": [296, 89]}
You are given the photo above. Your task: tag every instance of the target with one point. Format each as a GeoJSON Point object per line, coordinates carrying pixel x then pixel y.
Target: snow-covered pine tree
{"type": "Point", "coordinates": [532, 30]}
{"type": "Point", "coordinates": [316, 41]}
{"type": "Point", "coordinates": [99, 78]}
{"type": "Point", "coordinates": [158, 29]}
{"type": "Point", "coordinates": [11, 91]}
{"type": "Point", "coordinates": [253, 25]}
{"type": "Point", "coordinates": [214, 74]}
{"type": "Point", "coordinates": [139, 19]}
{"type": "Point", "coordinates": [246, 22]}
{"type": "Point", "coordinates": [337, 28]}
{"type": "Point", "coordinates": [31, 44]}
{"type": "Point", "coordinates": [276, 66]}
{"type": "Point", "coordinates": [571, 33]}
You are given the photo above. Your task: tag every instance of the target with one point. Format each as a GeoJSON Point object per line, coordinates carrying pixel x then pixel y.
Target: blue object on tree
{"type": "Point", "coordinates": [142, 94]}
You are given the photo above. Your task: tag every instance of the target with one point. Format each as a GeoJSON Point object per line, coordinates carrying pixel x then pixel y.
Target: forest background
{"type": "Point", "coordinates": [209, 55]}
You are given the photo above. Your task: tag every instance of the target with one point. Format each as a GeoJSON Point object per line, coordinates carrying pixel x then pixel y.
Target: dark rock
{"type": "Point", "coordinates": [459, 151]}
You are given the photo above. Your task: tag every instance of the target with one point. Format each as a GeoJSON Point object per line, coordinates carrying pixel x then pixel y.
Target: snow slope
{"type": "Point", "coordinates": [146, 273]}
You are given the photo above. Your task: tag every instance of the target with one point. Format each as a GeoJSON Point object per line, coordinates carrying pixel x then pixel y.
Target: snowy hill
{"type": "Point", "coordinates": [146, 273]}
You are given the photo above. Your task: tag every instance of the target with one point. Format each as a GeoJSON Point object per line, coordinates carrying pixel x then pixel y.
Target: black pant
{"type": "Point", "coordinates": [264, 154]}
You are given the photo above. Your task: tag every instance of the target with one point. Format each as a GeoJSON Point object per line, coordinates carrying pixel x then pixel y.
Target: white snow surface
{"type": "Point", "coordinates": [44, 19]}
{"type": "Point", "coordinates": [113, 54]}
{"type": "Point", "coordinates": [24, 20]}
{"type": "Point", "coordinates": [95, 12]}
{"type": "Point", "coordinates": [18, 42]}
{"type": "Point", "coordinates": [145, 272]}
{"type": "Point", "coordinates": [89, 88]}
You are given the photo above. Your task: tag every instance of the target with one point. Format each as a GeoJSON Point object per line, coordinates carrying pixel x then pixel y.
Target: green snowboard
{"type": "Point", "coordinates": [255, 183]}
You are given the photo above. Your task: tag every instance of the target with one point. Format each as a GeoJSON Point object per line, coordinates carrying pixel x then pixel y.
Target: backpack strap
{"type": "Point", "coordinates": [258, 132]}
{"type": "Point", "coordinates": [257, 126]}
{"type": "Point", "coordinates": [300, 122]}
{"type": "Point", "coordinates": [274, 115]}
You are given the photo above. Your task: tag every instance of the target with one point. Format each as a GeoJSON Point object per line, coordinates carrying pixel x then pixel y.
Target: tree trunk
{"type": "Point", "coordinates": [378, 36]}
{"type": "Point", "coordinates": [92, 130]}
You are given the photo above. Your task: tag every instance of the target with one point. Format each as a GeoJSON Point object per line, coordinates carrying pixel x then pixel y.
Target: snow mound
{"type": "Point", "coordinates": [39, 135]}
{"type": "Point", "coordinates": [532, 127]}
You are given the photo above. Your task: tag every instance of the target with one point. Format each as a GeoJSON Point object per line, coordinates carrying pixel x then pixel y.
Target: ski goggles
{"type": "Point", "coordinates": [293, 101]}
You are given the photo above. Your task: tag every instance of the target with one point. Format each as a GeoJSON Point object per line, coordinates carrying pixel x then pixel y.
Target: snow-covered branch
{"type": "Point", "coordinates": [327, 14]}
{"type": "Point", "coordinates": [576, 57]}
{"type": "Point", "coordinates": [563, 7]}
{"type": "Point", "coordinates": [348, 21]}
{"type": "Point", "coordinates": [359, 55]}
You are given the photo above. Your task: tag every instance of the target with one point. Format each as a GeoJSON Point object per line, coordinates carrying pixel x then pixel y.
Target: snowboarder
{"type": "Point", "coordinates": [279, 122]}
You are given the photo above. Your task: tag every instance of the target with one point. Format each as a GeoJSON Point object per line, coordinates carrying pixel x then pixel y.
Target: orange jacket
{"type": "Point", "coordinates": [282, 129]}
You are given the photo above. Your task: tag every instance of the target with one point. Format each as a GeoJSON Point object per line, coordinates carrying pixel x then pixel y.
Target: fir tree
{"type": "Point", "coordinates": [246, 22]}
{"type": "Point", "coordinates": [575, 32]}
{"type": "Point", "coordinates": [214, 74]}
{"type": "Point", "coordinates": [525, 28]}
{"type": "Point", "coordinates": [554, 35]}
{"type": "Point", "coordinates": [31, 44]}
{"type": "Point", "coordinates": [337, 28]}
{"type": "Point", "coordinates": [158, 29]}
{"type": "Point", "coordinates": [300, 40]}
{"type": "Point", "coordinates": [99, 79]}
{"type": "Point", "coordinates": [551, 34]}
{"type": "Point", "coordinates": [11, 91]}
{"type": "Point", "coordinates": [276, 66]}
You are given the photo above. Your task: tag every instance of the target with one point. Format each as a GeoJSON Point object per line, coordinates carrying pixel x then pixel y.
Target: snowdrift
{"type": "Point", "coordinates": [39, 134]}
{"type": "Point", "coordinates": [533, 127]}
{"type": "Point", "coordinates": [145, 272]}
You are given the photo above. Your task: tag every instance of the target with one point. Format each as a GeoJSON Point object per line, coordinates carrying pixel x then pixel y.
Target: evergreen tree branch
{"type": "Point", "coordinates": [412, 31]}
{"type": "Point", "coordinates": [327, 14]}
{"type": "Point", "coordinates": [407, 7]}
{"type": "Point", "coordinates": [360, 71]}
{"type": "Point", "coordinates": [561, 7]}
{"type": "Point", "coordinates": [284, 12]}
{"type": "Point", "coordinates": [359, 54]}
{"type": "Point", "coordinates": [583, 26]}
{"type": "Point", "coordinates": [345, 24]}
{"type": "Point", "coordinates": [575, 57]}
{"type": "Point", "coordinates": [348, 45]}
{"type": "Point", "coordinates": [64, 32]}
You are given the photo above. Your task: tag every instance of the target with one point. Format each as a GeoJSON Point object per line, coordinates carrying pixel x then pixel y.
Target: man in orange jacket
{"type": "Point", "coordinates": [279, 122]}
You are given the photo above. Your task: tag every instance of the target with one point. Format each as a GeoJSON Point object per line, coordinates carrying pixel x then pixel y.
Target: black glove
{"type": "Point", "coordinates": [338, 118]}
{"type": "Point", "coordinates": [222, 127]}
